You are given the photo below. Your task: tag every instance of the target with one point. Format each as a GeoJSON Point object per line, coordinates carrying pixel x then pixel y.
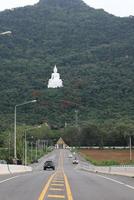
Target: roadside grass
{"type": "Point", "coordinates": [102, 162]}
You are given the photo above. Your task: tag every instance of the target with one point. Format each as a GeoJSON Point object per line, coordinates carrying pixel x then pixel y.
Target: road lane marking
{"type": "Point", "coordinates": [14, 177]}
{"type": "Point", "coordinates": [58, 181]}
{"type": "Point", "coordinates": [58, 175]}
{"type": "Point", "coordinates": [21, 175]}
{"type": "Point", "coordinates": [56, 189]}
{"type": "Point", "coordinates": [44, 191]}
{"type": "Point", "coordinates": [57, 184]}
{"type": "Point", "coordinates": [68, 190]}
{"type": "Point", "coordinates": [129, 186]}
{"type": "Point", "coordinates": [119, 182]}
{"type": "Point", "coordinates": [8, 179]}
{"type": "Point", "coordinates": [69, 193]}
{"type": "Point", "coordinates": [56, 196]}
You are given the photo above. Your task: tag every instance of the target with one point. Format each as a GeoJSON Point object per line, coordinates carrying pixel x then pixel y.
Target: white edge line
{"type": "Point", "coordinates": [114, 180]}
{"type": "Point", "coordinates": [8, 179]}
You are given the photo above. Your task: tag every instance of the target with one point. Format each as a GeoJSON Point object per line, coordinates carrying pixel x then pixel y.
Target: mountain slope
{"type": "Point", "coordinates": [93, 52]}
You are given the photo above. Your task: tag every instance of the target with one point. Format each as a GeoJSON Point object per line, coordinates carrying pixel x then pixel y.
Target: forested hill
{"type": "Point", "coordinates": [93, 51]}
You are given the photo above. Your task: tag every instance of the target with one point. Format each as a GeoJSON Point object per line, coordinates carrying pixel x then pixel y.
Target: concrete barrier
{"type": "Point", "coordinates": [128, 171]}
{"type": "Point", "coordinates": [19, 168]}
{"type": "Point", "coordinates": [114, 170]}
{"type": "Point", "coordinates": [11, 169]}
{"type": "Point", "coordinates": [4, 169]}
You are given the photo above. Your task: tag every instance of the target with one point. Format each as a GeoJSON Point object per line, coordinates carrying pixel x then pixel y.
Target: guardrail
{"type": "Point", "coordinates": [11, 169]}
{"type": "Point", "coordinates": [114, 170]}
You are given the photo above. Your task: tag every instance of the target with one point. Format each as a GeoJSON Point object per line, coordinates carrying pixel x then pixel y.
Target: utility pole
{"type": "Point", "coordinates": [31, 149]}
{"type": "Point", "coordinates": [15, 154]}
{"type": "Point", "coordinates": [76, 118]}
{"type": "Point", "coordinates": [15, 110]}
{"type": "Point", "coordinates": [36, 155]}
{"type": "Point", "coordinates": [130, 145]}
{"type": "Point", "coordinates": [9, 144]}
{"type": "Point", "coordinates": [25, 149]}
{"type": "Point", "coordinates": [65, 124]}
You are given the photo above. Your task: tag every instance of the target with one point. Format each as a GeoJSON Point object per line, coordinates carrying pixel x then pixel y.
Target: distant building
{"type": "Point", "coordinates": [60, 144]}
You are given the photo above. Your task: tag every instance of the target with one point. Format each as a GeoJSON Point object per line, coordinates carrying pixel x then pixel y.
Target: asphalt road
{"type": "Point", "coordinates": [66, 182]}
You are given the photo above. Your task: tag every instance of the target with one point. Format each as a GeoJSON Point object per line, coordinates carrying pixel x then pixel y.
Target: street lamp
{"type": "Point", "coordinates": [36, 152]}
{"type": "Point", "coordinates": [76, 118]}
{"type": "Point", "coordinates": [27, 102]}
{"type": "Point", "coordinates": [31, 149]}
{"type": "Point", "coordinates": [130, 147]}
{"type": "Point", "coordinates": [31, 142]}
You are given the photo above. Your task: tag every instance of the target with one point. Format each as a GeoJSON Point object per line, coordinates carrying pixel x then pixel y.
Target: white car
{"type": "Point", "coordinates": [70, 156]}
{"type": "Point", "coordinates": [75, 161]}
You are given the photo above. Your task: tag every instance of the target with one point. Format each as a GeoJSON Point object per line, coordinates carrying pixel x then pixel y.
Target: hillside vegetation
{"type": "Point", "coordinates": [93, 51]}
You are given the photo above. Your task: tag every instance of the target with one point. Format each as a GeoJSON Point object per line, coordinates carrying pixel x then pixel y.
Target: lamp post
{"type": "Point", "coordinates": [31, 143]}
{"type": "Point", "coordinates": [27, 102]}
{"type": "Point", "coordinates": [36, 154]}
{"type": "Point", "coordinates": [130, 147]}
{"type": "Point", "coordinates": [31, 150]}
{"type": "Point", "coordinates": [25, 162]}
{"type": "Point", "coordinates": [76, 118]}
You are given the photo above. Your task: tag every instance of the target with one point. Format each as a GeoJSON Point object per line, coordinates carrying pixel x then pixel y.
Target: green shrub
{"type": "Point", "coordinates": [102, 162]}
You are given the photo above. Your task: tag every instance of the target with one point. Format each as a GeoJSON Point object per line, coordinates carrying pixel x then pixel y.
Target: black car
{"type": "Point", "coordinates": [49, 165]}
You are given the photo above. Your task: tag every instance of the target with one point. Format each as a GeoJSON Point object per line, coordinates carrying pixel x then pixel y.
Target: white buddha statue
{"type": "Point", "coordinates": [55, 81]}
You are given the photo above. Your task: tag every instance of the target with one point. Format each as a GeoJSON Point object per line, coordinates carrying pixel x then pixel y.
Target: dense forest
{"type": "Point", "coordinates": [94, 54]}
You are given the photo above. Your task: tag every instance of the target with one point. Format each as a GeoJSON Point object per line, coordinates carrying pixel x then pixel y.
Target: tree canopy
{"type": "Point", "coordinates": [93, 51]}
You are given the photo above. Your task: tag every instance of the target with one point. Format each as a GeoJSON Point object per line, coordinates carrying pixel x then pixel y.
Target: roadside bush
{"type": "Point", "coordinates": [102, 162]}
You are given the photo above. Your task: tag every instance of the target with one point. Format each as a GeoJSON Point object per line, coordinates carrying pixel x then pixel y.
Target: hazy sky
{"type": "Point", "coordinates": [116, 7]}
